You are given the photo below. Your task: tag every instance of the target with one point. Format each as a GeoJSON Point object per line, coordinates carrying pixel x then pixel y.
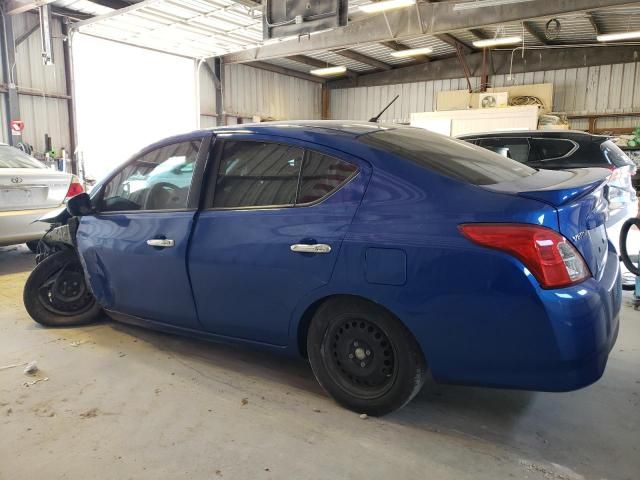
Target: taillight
{"type": "Point", "coordinates": [550, 257]}
{"type": "Point", "coordinates": [75, 188]}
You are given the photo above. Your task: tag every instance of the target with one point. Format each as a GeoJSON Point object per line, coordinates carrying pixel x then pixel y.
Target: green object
{"type": "Point", "coordinates": [632, 143]}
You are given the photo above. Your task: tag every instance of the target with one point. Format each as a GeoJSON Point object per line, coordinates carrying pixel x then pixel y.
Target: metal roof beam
{"type": "Point", "coordinates": [115, 13]}
{"type": "Point", "coordinates": [454, 42]}
{"type": "Point", "coordinates": [535, 59]}
{"type": "Point", "coordinates": [115, 4]}
{"type": "Point", "coordinates": [312, 62]}
{"type": "Point", "coordinates": [14, 7]}
{"type": "Point", "coordinates": [285, 71]}
{"type": "Point", "coordinates": [594, 23]}
{"type": "Point", "coordinates": [480, 34]}
{"type": "Point", "coordinates": [528, 26]}
{"type": "Point", "coordinates": [365, 59]}
{"type": "Point", "coordinates": [434, 18]}
{"type": "Point", "coordinates": [28, 33]}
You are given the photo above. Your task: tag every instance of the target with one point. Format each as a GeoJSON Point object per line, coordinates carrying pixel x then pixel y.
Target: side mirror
{"type": "Point", "coordinates": [79, 205]}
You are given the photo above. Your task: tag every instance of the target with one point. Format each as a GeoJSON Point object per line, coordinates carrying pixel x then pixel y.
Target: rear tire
{"type": "Point", "coordinates": [56, 294]}
{"type": "Point", "coordinates": [364, 357]}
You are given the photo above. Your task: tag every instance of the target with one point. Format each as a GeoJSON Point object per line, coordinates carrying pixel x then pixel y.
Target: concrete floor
{"type": "Point", "coordinates": [122, 402]}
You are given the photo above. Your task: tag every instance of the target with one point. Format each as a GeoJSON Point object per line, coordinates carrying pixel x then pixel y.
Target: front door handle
{"type": "Point", "coordinates": [160, 242]}
{"type": "Point", "coordinates": [314, 248]}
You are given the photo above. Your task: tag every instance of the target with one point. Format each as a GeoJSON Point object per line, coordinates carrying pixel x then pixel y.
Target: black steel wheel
{"type": "Point", "coordinates": [361, 359]}
{"type": "Point", "coordinates": [364, 357]}
{"type": "Point", "coordinates": [56, 293]}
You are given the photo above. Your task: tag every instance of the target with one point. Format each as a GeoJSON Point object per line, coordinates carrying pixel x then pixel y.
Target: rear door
{"type": "Point", "coordinates": [134, 249]}
{"type": "Point", "coordinates": [275, 215]}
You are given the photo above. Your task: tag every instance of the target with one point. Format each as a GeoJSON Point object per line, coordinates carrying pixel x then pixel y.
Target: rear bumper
{"type": "Point", "coordinates": [552, 340]}
{"type": "Point", "coordinates": [17, 226]}
{"type": "Point", "coordinates": [585, 322]}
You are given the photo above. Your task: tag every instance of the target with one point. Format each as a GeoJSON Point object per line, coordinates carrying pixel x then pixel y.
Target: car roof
{"type": "Point", "coordinates": [339, 134]}
{"type": "Point", "coordinates": [287, 128]}
{"type": "Point", "coordinates": [576, 135]}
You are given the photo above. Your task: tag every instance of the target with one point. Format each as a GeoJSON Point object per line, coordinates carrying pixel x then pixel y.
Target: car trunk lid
{"type": "Point", "coordinates": [27, 188]}
{"type": "Point", "coordinates": [580, 199]}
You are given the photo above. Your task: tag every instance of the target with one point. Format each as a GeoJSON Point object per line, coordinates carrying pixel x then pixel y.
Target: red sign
{"type": "Point", "coordinates": [17, 126]}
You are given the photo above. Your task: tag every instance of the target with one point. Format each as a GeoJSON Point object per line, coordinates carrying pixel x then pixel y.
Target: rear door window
{"type": "Point", "coordinates": [518, 149]}
{"type": "Point", "coordinates": [257, 174]}
{"type": "Point", "coordinates": [321, 176]}
{"type": "Point", "coordinates": [447, 156]}
{"type": "Point", "coordinates": [552, 148]}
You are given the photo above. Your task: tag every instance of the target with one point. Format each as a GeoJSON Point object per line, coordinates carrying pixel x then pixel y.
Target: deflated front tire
{"type": "Point", "coordinates": [56, 294]}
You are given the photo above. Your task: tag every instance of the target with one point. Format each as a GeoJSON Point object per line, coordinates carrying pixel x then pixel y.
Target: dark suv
{"type": "Point", "coordinates": [561, 150]}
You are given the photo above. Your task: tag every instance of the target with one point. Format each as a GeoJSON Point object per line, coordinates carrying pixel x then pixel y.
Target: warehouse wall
{"type": "Point", "coordinates": [599, 89]}
{"type": "Point", "coordinates": [207, 97]}
{"type": "Point", "coordinates": [41, 114]}
{"type": "Point", "coordinates": [250, 91]}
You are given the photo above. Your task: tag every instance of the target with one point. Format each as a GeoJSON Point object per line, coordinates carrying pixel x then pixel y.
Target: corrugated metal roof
{"type": "Point", "coordinates": [204, 28]}
{"type": "Point", "coordinates": [82, 6]}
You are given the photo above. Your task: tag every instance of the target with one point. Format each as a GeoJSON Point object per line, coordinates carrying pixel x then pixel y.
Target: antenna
{"type": "Point", "coordinates": [375, 119]}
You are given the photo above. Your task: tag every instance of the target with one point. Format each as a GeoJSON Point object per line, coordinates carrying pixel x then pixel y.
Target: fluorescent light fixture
{"type": "Point", "coordinates": [485, 3]}
{"type": "Point", "coordinates": [386, 5]}
{"type": "Point", "coordinates": [496, 42]}
{"type": "Point", "coordinates": [329, 71]}
{"type": "Point", "coordinates": [612, 37]}
{"type": "Point", "coordinates": [412, 52]}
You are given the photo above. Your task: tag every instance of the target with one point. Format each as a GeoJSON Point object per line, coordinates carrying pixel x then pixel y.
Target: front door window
{"type": "Point", "coordinates": [157, 180]}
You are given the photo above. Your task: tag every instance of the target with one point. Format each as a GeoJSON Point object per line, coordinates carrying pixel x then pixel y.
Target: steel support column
{"type": "Point", "coordinates": [215, 67]}
{"type": "Point", "coordinates": [69, 82]}
{"type": "Point", "coordinates": [8, 61]}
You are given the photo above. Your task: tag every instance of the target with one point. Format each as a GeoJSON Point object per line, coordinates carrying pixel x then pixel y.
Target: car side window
{"type": "Point", "coordinates": [257, 174]}
{"type": "Point", "coordinates": [157, 180]}
{"type": "Point", "coordinates": [321, 176]}
{"type": "Point", "coordinates": [550, 148]}
{"type": "Point", "coordinates": [518, 149]}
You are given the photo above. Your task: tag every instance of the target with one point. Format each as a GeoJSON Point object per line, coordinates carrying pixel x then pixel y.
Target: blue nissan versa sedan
{"type": "Point", "coordinates": [379, 252]}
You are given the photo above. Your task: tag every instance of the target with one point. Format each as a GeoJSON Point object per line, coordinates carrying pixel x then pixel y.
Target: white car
{"type": "Point", "coordinates": [28, 189]}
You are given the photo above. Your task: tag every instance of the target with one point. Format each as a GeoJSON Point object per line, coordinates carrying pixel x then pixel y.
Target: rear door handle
{"type": "Point", "coordinates": [314, 248]}
{"type": "Point", "coordinates": [160, 242]}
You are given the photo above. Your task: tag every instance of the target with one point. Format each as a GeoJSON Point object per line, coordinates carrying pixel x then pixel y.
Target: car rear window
{"type": "Point", "coordinates": [11, 157]}
{"type": "Point", "coordinates": [615, 155]}
{"type": "Point", "coordinates": [447, 156]}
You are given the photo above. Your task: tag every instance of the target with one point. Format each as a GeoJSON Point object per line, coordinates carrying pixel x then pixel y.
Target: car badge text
{"type": "Point", "coordinates": [580, 236]}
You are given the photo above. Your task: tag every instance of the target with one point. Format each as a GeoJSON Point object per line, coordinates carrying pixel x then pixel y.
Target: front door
{"type": "Point", "coordinates": [270, 233]}
{"type": "Point", "coordinates": [134, 249]}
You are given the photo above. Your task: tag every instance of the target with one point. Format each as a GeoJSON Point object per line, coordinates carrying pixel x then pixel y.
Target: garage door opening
{"type": "Point", "coordinates": [126, 98]}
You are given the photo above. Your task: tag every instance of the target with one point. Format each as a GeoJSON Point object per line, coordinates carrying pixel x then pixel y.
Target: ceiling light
{"type": "Point", "coordinates": [612, 37]}
{"type": "Point", "coordinates": [386, 5]}
{"type": "Point", "coordinates": [329, 71]}
{"type": "Point", "coordinates": [412, 52]}
{"type": "Point", "coordinates": [495, 42]}
{"type": "Point", "coordinates": [485, 3]}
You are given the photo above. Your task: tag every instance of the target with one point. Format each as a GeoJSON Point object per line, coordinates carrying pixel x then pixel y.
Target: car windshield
{"type": "Point", "coordinates": [615, 155]}
{"type": "Point", "coordinates": [11, 157]}
{"type": "Point", "coordinates": [447, 156]}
